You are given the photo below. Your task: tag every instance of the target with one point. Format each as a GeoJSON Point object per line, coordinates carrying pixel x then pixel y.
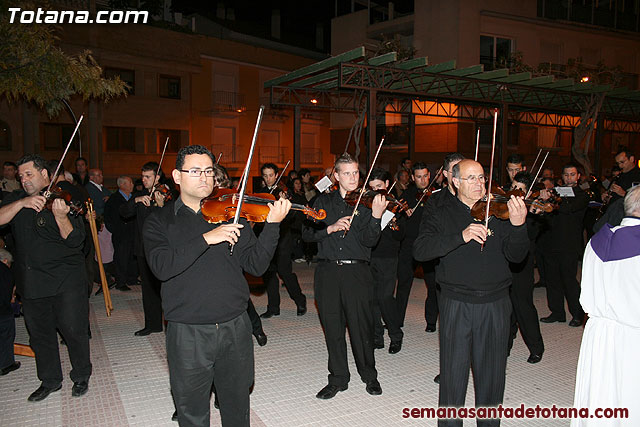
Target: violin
{"type": "Point", "coordinates": [76, 207]}
{"type": "Point", "coordinates": [164, 191]}
{"type": "Point", "coordinates": [499, 209]}
{"type": "Point", "coordinates": [222, 203]}
{"type": "Point", "coordinates": [395, 205]}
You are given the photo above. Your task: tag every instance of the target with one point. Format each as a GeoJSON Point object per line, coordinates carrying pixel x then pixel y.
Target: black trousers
{"type": "Point", "coordinates": [151, 300]}
{"type": "Point", "coordinates": [561, 269]}
{"type": "Point", "coordinates": [256, 323]}
{"type": "Point", "coordinates": [476, 336]}
{"type": "Point", "coordinates": [67, 312]}
{"type": "Point", "coordinates": [524, 313]}
{"type": "Point", "coordinates": [344, 294]}
{"type": "Point", "coordinates": [198, 354]}
{"type": "Point", "coordinates": [7, 337]}
{"type": "Point", "coordinates": [281, 266]}
{"type": "Point", "coordinates": [126, 271]}
{"type": "Point", "coordinates": [384, 304]}
{"type": "Point", "coordinates": [431, 302]}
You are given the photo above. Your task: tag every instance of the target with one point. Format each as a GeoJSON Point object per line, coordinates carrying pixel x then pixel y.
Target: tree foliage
{"type": "Point", "coordinates": [33, 68]}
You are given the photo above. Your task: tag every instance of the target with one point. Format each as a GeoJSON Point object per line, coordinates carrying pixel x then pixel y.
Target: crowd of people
{"type": "Point", "coordinates": [478, 272]}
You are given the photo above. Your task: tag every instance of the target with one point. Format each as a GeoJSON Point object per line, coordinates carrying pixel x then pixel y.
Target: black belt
{"type": "Point", "coordinates": [344, 261]}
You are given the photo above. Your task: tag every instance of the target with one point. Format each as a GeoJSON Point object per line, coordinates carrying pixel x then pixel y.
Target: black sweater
{"type": "Point", "coordinates": [201, 283]}
{"type": "Point", "coordinates": [466, 272]}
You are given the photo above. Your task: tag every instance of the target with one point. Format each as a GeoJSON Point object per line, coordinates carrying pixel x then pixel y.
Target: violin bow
{"type": "Point", "coordinates": [429, 185]}
{"type": "Point", "coordinates": [477, 144]}
{"type": "Point", "coordinates": [55, 174]}
{"type": "Point", "coordinates": [219, 157]}
{"type": "Point", "coordinates": [245, 174]}
{"type": "Point", "coordinates": [536, 160]}
{"type": "Point", "coordinates": [493, 152]}
{"type": "Point", "coordinates": [280, 177]}
{"type": "Point", "coordinates": [392, 185]}
{"type": "Point", "coordinates": [362, 191]}
{"type": "Point", "coordinates": [159, 166]}
{"type": "Point", "coordinates": [536, 178]}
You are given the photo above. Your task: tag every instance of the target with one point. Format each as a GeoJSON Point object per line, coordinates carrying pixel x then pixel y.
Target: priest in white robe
{"type": "Point", "coordinates": [608, 373]}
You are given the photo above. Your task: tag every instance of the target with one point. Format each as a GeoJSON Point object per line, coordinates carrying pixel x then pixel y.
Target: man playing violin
{"type": "Point", "coordinates": [474, 276]}
{"type": "Point", "coordinates": [140, 205]}
{"type": "Point", "coordinates": [343, 281]}
{"type": "Point", "coordinates": [406, 264]}
{"type": "Point", "coordinates": [281, 265]}
{"type": "Point", "coordinates": [51, 278]}
{"type": "Point", "coordinates": [205, 294]}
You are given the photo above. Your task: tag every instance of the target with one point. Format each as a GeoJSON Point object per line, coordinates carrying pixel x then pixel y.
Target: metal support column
{"type": "Point", "coordinates": [598, 143]}
{"type": "Point", "coordinates": [502, 136]}
{"type": "Point", "coordinates": [296, 137]}
{"type": "Point", "coordinates": [411, 144]}
{"type": "Point", "coordinates": [371, 127]}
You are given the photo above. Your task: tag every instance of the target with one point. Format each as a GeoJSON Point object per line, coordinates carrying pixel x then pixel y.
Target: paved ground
{"type": "Point", "coordinates": [130, 383]}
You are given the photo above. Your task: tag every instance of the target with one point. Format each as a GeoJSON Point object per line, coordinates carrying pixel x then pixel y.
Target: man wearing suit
{"type": "Point", "coordinates": [98, 193]}
{"type": "Point", "coordinates": [122, 234]}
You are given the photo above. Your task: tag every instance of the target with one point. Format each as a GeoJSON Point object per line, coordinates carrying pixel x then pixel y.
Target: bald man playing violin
{"type": "Point", "coordinates": [51, 278]}
{"type": "Point", "coordinates": [474, 277]}
{"type": "Point", "coordinates": [205, 294]}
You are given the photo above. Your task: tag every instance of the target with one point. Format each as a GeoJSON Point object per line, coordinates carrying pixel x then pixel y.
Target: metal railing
{"type": "Point", "coordinates": [228, 101]}
{"type": "Point", "coordinates": [231, 153]}
{"type": "Point", "coordinates": [268, 154]}
{"type": "Point", "coordinates": [311, 156]}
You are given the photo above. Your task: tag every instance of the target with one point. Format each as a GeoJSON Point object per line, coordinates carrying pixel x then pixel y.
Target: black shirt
{"type": "Point", "coordinates": [356, 245]}
{"type": "Point", "coordinates": [410, 195]}
{"type": "Point", "coordinates": [565, 224]}
{"type": "Point", "coordinates": [465, 272]}
{"type": "Point", "coordinates": [45, 263]}
{"type": "Point", "coordinates": [201, 283]}
{"type": "Point", "coordinates": [626, 180]}
{"type": "Point", "coordinates": [130, 209]}
{"type": "Point", "coordinates": [389, 244]}
{"type": "Point", "coordinates": [6, 290]}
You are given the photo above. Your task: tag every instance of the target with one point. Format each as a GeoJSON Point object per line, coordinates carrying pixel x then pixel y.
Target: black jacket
{"type": "Point", "coordinates": [465, 272]}
{"type": "Point", "coordinates": [122, 229]}
{"type": "Point", "coordinates": [131, 209]}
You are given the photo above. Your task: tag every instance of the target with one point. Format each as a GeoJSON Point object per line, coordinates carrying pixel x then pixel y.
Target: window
{"type": "Point", "coordinates": [495, 52]}
{"type": "Point", "coordinates": [169, 87]}
{"type": "Point", "coordinates": [55, 136]}
{"type": "Point", "coordinates": [5, 136]}
{"type": "Point", "coordinates": [120, 139]}
{"type": "Point", "coordinates": [127, 76]}
{"type": "Point", "coordinates": [174, 144]}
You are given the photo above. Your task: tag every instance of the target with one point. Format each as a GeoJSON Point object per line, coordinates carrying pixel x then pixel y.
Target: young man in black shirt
{"type": "Point", "coordinates": [629, 176]}
{"type": "Point", "coordinates": [141, 204]}
{"type": "Point", "coordinates": [474, 277]}
{"type": "Point", "coordinates": [343, 281]}
{"type": "Point", "coordinates": [562, 244]}
{"type": "Point", "coordinates": [205, 294]}
{"type": "Point", "coordinates": [51, 278]}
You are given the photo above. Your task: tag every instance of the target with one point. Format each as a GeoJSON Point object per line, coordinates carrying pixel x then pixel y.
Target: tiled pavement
{"type": "Point", "coordinates": [130, 384]}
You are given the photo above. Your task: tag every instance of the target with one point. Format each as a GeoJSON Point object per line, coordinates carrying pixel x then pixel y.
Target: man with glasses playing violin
{"type": "Point", "coordinates": [343, 281]}
{"type": "Point", "coordinates": [51, 278]}
{"type": "Point", "coordinates": [141, 204]}
{"type": "Point", "coordinates": [205, 294]}
{"type": "Point", "coordinates": [474, 277]}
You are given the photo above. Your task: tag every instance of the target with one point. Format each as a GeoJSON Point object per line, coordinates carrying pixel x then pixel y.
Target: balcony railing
{"type": "Point", "coordinates": [230, 153]}
{"type": "Point", "coordinates": [228, 101]}
{"type": "Point", "coordinates": [311, 156]}
{"type": "Point", "coordinates": [272, 154]}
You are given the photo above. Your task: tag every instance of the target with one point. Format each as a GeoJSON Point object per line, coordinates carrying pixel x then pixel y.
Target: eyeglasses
{"type": "Point", "coordinates": [473, 179]}
{"type": "Point", "coordinates": [197, 173]}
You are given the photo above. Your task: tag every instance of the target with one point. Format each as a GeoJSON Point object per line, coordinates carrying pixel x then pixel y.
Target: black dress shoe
{"type": "Point", "coordinates": [378, 345]}
{"type": "Point", "coordinates": [534, 358]}
{"type": "Point", "coordinates": [42, 392]}
{"type": "Point", "coordinates": [174, 417]}
{"type": "Point", "coordinates": [373, 388]}
{"type": "Point", "coordinates": [145, 331]}
{"type": "Point", "coordinates": [575, 322]}
{"type": "Point", "coordinates": [10, 368]}
{"type": "Point", "coordinates": [123, 288]}
{"type": "Point", "coordinates": [261, 338]}
{"type": "Point", "coordinates": [302, 310]}
{"type": "Point", "coordinates": [436, 379]}
{"type": "Point", "coordinates": [216, 403]}
{"type": "Point", "coordinates": [269, 314]}
{"type": "Point", "coordinates": [330, 391]}
{"type": "Point", "coordinates": [99, 291]}
{"type": "Point", "coordinates": [551, 318]}
{"type": "Point", "coordinates": [395, 347]}
{"type": "Point", "coordinates": [79, 388]}
{"type": "Point", "coordinates": [430, 328]}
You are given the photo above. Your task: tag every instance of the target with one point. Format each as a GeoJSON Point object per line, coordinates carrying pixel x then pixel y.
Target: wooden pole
{"type": "Point", "coordinates": [23, 350]}
{"type": "Point", "coordinates": [103, 277]}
